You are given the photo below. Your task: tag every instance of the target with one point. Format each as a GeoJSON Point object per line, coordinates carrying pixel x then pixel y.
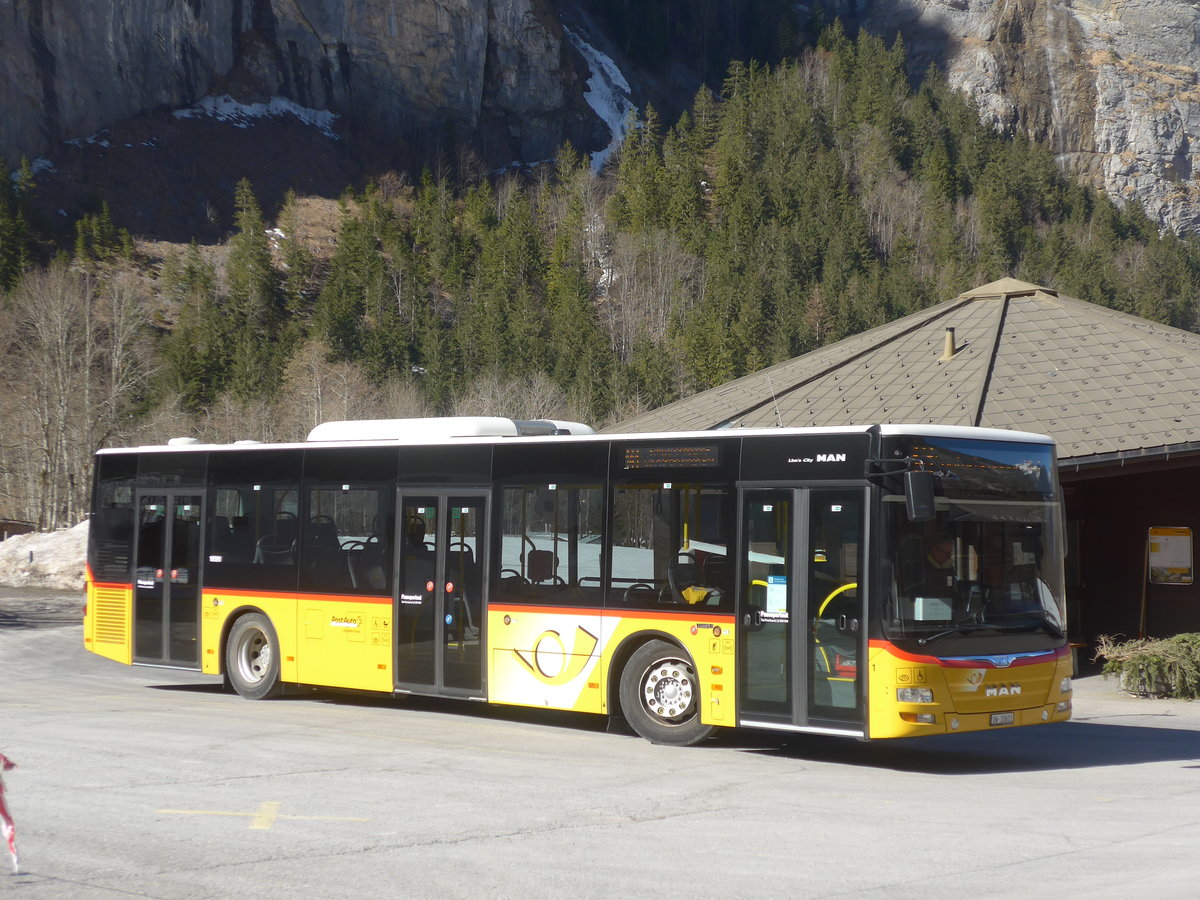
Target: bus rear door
{"type": "Point", "coordinates": [801, 610]}
{"type": "Point", "coordinates": [166, 590]}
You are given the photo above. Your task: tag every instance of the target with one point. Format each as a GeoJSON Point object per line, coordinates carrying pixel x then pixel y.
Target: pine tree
{"type": "Point", "coordinates": [12, 232]}
{"type": "Point", "coordinates": [198, 349]}
{"type": "Point", "coordinates": [98, 239]}
{"type": "Point", "coordinates": [342, 305]}
{"type": "Point", "coordinates": [253, 301]}
{"type": "Point", "coordinates": [638, 197]}
{"type": "Point", "coordinates": [298, 263]}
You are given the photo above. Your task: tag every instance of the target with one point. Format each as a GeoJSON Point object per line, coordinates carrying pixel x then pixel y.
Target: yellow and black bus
{"type": "Point", "coordinates": [877, 581]}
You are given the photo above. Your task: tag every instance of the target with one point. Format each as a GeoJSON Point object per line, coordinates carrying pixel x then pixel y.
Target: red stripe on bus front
{"type": "Point", "coordinates": [967, 663]}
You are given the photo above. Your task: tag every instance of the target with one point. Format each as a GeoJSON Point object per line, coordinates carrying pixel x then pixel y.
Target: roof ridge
{"type": "Point", "coordinates": [1145, 326]}
{"type": "Point", "coordinates": [991, 366]}
{"type": "Point", "coordinates": [949, 307]}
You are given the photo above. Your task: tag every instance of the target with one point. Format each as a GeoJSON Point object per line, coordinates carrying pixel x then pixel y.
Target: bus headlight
{"type": "Point", "coordinates": [1064, 686]}
{"type": "Point", "coordinates": [914, 695]}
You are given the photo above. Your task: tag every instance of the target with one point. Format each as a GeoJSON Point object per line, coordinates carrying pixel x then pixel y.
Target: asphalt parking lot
{"type": "Point", "coordinates": [136, 782]}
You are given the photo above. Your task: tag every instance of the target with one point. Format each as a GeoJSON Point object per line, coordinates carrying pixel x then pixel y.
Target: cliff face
{"type": "Point", "coordinates": [494, 69]}
{"type": "Point", "coordinates": [1112, 85]}
{"type": "Point", "coordinates": [68, 68]}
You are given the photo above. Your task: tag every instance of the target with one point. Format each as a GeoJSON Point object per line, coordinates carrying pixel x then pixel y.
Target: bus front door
{"type": "Point", "coordinates": [166, 596]}
{"type": "Point", "coordinates": [801, 610]}
{"type": "Point", "coordinates": [439, 603]}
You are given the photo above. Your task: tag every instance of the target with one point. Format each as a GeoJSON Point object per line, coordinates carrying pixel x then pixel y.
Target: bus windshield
{"type": "Point", "coordinates": [989, 564]}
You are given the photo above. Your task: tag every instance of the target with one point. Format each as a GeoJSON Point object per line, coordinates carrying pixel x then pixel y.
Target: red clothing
{"type": "Point", "coordinates": [6, 822]}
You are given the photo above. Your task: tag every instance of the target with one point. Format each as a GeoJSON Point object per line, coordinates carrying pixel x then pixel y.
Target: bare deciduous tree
{"type": "Point", "coordinates": [75, 358]}
{"type": "Point", "coordinates": [533, 396]}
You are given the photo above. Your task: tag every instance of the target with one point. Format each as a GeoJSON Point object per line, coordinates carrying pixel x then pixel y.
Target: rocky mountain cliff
{"type": "Point", "coordinates": [1112, 85]}
{"type": "Point", "coordinates": [499, 71]}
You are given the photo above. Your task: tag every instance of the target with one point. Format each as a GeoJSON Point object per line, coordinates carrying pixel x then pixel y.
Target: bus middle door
{"type": "Point", "coordinates": [439, 606]}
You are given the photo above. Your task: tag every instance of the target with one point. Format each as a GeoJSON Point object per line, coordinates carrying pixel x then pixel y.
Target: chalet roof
{"type": "Point", "coordinates": [1106, 385]}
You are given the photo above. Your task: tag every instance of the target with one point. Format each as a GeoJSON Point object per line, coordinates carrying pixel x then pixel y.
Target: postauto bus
{"type": "Point", "coordinates": [874, 582]}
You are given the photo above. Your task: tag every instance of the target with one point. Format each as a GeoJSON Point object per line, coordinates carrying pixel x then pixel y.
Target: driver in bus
{"type": "Point", "coordinates": [939, 561]}
{"type": "Point", "coordinates": [931, 573]}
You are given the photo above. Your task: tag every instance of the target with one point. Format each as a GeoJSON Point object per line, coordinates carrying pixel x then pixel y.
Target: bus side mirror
{"type": "Point", "coordinates": [918, 496]}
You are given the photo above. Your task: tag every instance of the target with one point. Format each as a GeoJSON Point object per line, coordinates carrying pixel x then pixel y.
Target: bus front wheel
{"type": "Point", "coordinates": [660, 695]}
{"type": "Point", "coordinates": [252, 658]}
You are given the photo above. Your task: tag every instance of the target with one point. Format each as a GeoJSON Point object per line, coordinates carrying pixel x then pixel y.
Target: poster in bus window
{"type": "Point", "coordinates": [1170, 555]}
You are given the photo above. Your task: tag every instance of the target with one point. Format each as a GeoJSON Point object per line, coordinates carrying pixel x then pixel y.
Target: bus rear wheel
{"type": "Point", "coordinates": [252, 658]}
{"type": "Point", "coordinates": [660, 695]}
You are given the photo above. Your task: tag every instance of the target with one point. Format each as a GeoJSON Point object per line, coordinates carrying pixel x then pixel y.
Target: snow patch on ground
{"type": "Point", "coordinates": [608, 94]}
{"type": "Point", "coordinates": [243, 115]}
{"type": "Point", "coordinates": [45, 559]}
{"type": "Point", "coordinates": [37, 166]}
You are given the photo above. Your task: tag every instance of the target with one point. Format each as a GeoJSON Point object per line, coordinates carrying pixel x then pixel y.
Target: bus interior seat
{"type": "Point", "coordinates": [715, 575]}
{"type": "Point", "coordinates": [273, 550]}
{"type": "Point", "coordinates": [367, 570]}
{"type": "Point", "coordinates": [540, 566]}
{"type": "Point", "coordinates": [323, 553]}
{"type": "Point", "coordinates": [222, 535]}
{"type": "Point", "coordinates": [461, 555]}
{"type": "Point", "coordinates": [322, 533]}
{"type": "Point", "coordinates": [683, 575]}
{"type": "Point", "coordinates": [241, 540]}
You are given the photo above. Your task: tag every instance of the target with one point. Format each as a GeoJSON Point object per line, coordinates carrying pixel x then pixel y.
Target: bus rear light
{"type": "Point", "coordinates": [914, 695]}
{"type": "Point", "coordinates": [919, 718]}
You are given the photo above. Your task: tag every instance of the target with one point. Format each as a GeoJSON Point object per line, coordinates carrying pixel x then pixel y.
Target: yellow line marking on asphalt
{"type": "Point", "coordinates": [263, 818]}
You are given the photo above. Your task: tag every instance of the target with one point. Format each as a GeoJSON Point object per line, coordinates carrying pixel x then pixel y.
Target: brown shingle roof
{"type": "Point", "coordinates": [1103, 383]}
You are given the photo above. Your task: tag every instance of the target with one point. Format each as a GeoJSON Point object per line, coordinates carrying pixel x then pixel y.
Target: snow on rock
{"type": "Point", "coordinates": [45, 559]}
{"type": "Point", "coordinates": [608, 94]}
{"type": "Point", "coordinates": [242, 115]}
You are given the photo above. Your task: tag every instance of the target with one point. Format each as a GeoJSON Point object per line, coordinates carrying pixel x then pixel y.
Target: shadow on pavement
{"type": "Point", "coordinates": [1070, 745]}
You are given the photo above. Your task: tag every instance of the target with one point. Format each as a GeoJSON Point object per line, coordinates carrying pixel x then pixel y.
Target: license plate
{"type": "Point", "coordinates": [1003, 718]}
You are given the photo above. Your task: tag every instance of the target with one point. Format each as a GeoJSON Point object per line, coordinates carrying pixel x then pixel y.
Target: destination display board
{"type": "Point", "coordinates": [673, 456]}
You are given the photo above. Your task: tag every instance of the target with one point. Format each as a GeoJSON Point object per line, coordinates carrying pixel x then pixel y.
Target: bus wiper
{"type": "Point", "coordinates": [1052, 627]}
{"type": "Point", "coordinates": [960, 628]}
{"type": "Point", "coordinates": [1044, 620]}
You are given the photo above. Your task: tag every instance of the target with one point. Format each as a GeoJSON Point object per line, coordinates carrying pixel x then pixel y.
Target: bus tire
{"type": "Point", "coordinates": [252, 658]}
{"type": "Point", "coordinates": [660, 695]}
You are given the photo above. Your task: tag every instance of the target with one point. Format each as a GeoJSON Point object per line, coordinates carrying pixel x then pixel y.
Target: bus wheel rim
{"type": "Point", "coordinates": [254, 656]}
{"type": "Point", "coordinates": [669, 690]}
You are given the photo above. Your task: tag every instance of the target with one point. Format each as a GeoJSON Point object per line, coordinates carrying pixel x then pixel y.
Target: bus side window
{"type": "Point", "coordinates": [670, 546]}
{"type": "Point", "coordinates": [341, 548]}
{"type": "Point", "coordinates": [550, 540]}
